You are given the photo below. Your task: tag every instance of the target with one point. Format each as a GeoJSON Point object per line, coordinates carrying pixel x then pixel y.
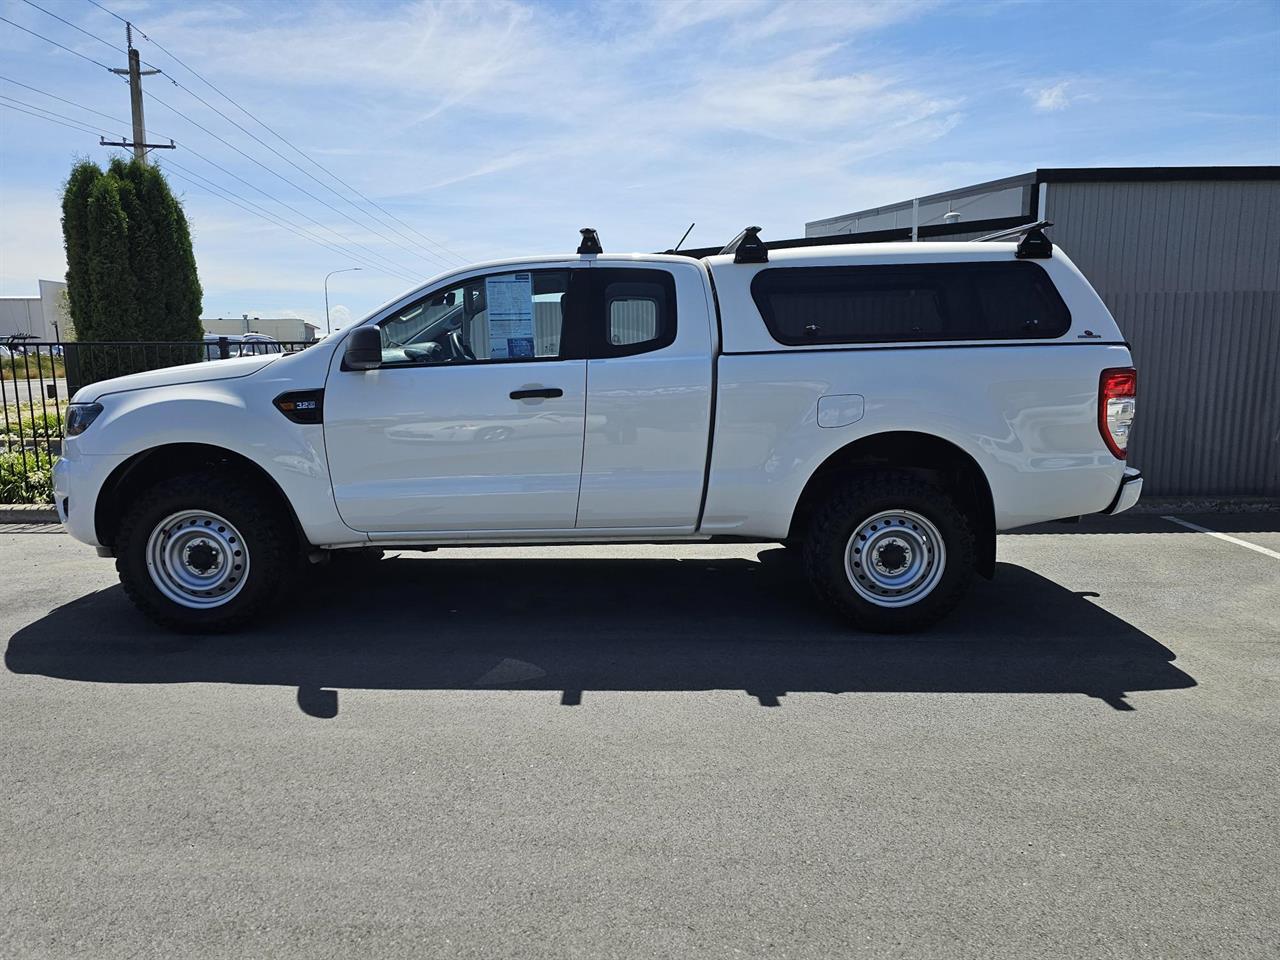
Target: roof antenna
{"type": "Point", "coordinates": [590, 242]}
{"type": "Point", "coordinates": [747, 247]}
{"type": "Point", "coordinates": [685, 237]}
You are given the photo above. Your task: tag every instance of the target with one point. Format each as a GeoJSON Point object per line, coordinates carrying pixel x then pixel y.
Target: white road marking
{"type": "Point", "coordinates": [1222, 536]}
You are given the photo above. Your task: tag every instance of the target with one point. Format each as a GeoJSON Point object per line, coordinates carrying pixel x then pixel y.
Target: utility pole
{"type": "Point", "coordinates": [135, 73]}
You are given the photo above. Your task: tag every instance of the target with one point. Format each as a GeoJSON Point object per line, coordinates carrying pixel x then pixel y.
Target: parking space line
{"type": "Point", "coordinates": [1222, 536]}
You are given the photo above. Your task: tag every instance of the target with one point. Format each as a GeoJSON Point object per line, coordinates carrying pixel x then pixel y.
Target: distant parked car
{"type": "Point", "coordinates": [242, 345]}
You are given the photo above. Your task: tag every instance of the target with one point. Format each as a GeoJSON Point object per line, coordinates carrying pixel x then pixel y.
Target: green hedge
{"type": "Point", "coordinates": [24, 478]}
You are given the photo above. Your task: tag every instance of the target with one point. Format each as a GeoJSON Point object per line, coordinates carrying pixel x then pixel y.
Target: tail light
{"type": "Point", "coordinates": [1117, 398]}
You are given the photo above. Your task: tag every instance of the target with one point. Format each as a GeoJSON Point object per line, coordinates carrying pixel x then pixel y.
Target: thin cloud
{"type": "Point", "coordinates": [1052, 98]}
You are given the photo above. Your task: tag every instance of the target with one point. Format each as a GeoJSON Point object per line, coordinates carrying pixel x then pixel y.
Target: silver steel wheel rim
{"type": "Point", "coordinates": [197, 559]}
{"type": "Point", "coordinates": [895, 558]}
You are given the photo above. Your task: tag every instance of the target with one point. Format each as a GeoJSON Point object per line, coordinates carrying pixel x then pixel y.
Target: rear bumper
{"type": "Point", "coordinates": [1129, 492]}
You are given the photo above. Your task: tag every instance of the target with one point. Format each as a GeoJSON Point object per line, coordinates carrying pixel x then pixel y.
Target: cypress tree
{"type": "Point", "coordinates": [131, 273]}
{"type": "Point", "coordinates": [113, 304]}
{"type": "Point", "coordinates": [75, 235]}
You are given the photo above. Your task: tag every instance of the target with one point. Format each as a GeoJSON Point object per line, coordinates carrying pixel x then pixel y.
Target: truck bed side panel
{"type": "Point", "coordinates": [1027, 414]}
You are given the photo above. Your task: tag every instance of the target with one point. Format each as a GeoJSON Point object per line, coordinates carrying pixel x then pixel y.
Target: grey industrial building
{"type": "Point", "coordinates": [1188, 261]}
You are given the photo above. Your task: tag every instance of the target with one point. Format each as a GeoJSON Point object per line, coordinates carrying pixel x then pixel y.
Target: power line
{"type": "Point", "coordinates": [91, 36]}
{"type": "Point", "coordinates": [97, 63]}
{"type": "Point", "coordinates": [53, 113]}
{"type": "Point", "coordinates": [75, 125]}
{"type": "Point", "coordinates": [72, 103]}
{"type": "Point", "coordinates": [258, 140]}
{"type": "Point", "coordinates": [399, 267]}
{"type": "Point", "coordinates": [363, 258]}
{"type": "Point", "coordinates": [82, 127]}
{"type": "Point", "coordinates": [87, 127]}
{"type": "Point", "coordinates": [300, 230]}
{"type": "Point", "coordinates": [109, 13]}
{"type": "Point", "coordinates": [286, 142]}
{"type": "Point", "coordinates": [258, 210]}
{"type": "Point", "coordinates": [355, 243]}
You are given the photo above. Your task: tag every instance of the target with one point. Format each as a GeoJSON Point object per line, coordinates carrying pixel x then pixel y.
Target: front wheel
{"type": "Point", "coordinates": [205, 552]}
{"type": "Point", "coordinates": [891, 552]}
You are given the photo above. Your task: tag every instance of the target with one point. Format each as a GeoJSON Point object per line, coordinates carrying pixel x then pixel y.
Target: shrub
{"type": "Point", "coordinates": [32, 423]}
{"type": "Point", "coordinates": [24, 478]}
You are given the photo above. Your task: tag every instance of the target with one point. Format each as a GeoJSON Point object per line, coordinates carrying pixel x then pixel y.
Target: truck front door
{"type": "Point", "coordinates": [474, 421]}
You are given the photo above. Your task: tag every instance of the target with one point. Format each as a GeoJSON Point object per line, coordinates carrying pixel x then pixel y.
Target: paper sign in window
{"type": "Point", "coordinates": [509, 300]}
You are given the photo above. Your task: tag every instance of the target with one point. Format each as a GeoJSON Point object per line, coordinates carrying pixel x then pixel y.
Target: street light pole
{"type": "Point", "coordinates": [327, 328]}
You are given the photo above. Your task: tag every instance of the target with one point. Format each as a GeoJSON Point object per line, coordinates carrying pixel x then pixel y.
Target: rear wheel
{"type": "Point", "coordinates": [204, 552]}
{"type": "Point", "coordinates": [889, 551]}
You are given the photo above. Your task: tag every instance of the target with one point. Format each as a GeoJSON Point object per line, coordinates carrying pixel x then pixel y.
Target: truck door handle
{"type": "Point", "coordinates": [547, 392]}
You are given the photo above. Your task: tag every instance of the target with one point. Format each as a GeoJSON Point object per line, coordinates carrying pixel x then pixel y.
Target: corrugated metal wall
{"type": "Point", "coordinates": [632, 321]}
{"type": "Point", "coordinates": [1191, 271]}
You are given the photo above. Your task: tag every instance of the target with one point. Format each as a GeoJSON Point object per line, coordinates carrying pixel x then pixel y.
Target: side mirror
{"type": "Point", "coordinates": [364, 349]}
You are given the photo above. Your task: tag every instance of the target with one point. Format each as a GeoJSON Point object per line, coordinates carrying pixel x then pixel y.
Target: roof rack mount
{"type": "Point", "coordinates": [590, 242]}
{"type": "Point", "coordinates": [747, 247]}
{"type": "Point", "coordinates": [1033, 245]}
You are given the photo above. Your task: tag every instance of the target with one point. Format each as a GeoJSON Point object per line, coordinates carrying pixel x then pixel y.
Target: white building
{"type": "Point", "coordinates": [43, 316]}
{"type": "Point", "coordinates": [281, 328]}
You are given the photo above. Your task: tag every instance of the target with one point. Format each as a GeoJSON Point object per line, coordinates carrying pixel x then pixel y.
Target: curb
{"type": "Point", "coordinates": [28, 513]}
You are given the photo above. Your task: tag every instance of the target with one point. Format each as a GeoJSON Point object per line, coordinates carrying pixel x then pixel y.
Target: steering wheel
{"type": "Point", "coordinates": [459, 349]}
{"type": "Point", "coordinates": [423, 352]}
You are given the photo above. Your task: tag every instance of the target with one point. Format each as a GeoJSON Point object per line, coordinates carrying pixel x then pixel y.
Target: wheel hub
{"type": "Point", "coordinates": [201, 557]}
{"type": "Point", "coordinates": [892, 555]}
{"type": "Point", "coordinates": [895, 558]}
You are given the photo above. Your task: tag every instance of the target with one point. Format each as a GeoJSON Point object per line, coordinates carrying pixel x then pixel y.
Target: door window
{"type": "Point", "coordinates": [503, 317]}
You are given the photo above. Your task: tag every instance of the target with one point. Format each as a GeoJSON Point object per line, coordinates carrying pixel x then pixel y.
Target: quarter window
{"type": "Point", "coordinates": [910, 302]}
{"type": "Point", "coordinates": [637, 310]}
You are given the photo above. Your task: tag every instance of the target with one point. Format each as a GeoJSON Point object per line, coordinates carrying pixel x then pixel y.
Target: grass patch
{"type": "Point", "coordinates": [28, 367]}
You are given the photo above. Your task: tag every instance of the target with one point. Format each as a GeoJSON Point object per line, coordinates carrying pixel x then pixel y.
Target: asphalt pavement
{"type": "Point", "coordinates": [30, 391]}
{"type": "Point", "coordinates": [652, 752]}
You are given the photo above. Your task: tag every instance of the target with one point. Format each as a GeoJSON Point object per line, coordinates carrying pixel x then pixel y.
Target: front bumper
{"type": "Point", "coordinates": [77, 481]}
{"type": "Point", "coordinates": [1129, 492]}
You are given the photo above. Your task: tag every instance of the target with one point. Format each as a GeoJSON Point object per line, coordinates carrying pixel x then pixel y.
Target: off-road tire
{"type": "Point", "coordinates": [267, 531]}
{"type": "Point", "coordinates": [834, 522]}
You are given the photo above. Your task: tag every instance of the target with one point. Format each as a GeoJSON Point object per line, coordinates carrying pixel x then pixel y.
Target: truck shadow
{"type": "Point", "coordinates": [585, 625]}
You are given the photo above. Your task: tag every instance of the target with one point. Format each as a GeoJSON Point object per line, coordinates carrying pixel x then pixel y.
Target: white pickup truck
{"type": "Point", "coordinates": [884, 409]}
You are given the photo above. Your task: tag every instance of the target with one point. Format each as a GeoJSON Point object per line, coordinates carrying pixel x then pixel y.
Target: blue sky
{"type": "Point", "coordinates": [495, 129]}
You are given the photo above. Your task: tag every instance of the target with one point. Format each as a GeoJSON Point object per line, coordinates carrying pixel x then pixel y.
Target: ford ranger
{"type": "Point", "coordinates": [882, 409]}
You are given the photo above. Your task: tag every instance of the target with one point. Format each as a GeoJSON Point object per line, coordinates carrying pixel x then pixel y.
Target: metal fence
{"type": "Point", "coordinates": [38, 379]}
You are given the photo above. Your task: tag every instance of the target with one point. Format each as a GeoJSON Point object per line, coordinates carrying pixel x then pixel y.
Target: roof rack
{"type": "Point", "coordinates": [1015, 231]}
{"type": "Point", "coordinates": [747, 247]}
{"type": "Point", "coordinates": [1008, 227]}
{"type": "Point", "coordinates": [1033, 245]}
